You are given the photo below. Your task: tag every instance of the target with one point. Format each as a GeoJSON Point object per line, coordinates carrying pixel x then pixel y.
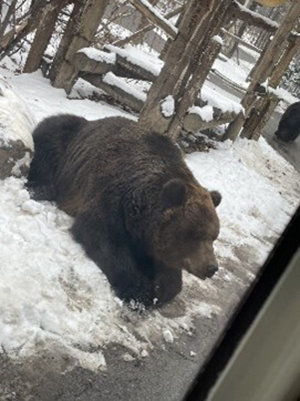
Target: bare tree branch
{"type": "Point", "coordinates": [146, 29]}
{"type": "Point", "coordinates": [7, 18]}
{"type": "Point", "coordinates": [155, 18]}
{"type": "Point", "coordinates": [26, 25]}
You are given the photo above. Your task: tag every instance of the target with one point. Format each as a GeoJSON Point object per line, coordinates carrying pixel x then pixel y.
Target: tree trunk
{"type": "Point", "coordinates": [43, 35]}
{"type": "Point", "coordinates": [169, 40]}
{"type": "Point", "coordinates": [200, 22]}
{"type": "Point", "coordinates": [264, 68]}
{"type": "Point", "coordinates": [233, 48]}
{"type": "Point", "coordinates": [74, 20]}
{"type": "Point", "coordinates": [258, 116]}
{"type": "Point", "coordinates": [155, 18]}
{"type": "Point", "coordinates": [90, 12]}
{"type": "Point", "coordinates": [144, 20]}
{"type": "Point", "coordinates": [137, 36]}
{"type": "Point", "coordinates": [254, 19]}
{"type": "Point", "coordinates": [25, 26]}
{"type": "Point", "coordinates": [6, 20]}
{"type": "Point", "coordinates": [291, 50]}
{"type": "Point", "coordinates": [264, 108]}
{"type": "Point", "coordinates": [195, 83]}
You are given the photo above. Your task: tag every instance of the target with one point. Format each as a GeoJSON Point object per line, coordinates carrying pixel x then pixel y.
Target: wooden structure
{"type": "Point", "coordinates": [195, 38]}
{"type": "Point", "coordinates": [183, 78]}
{"type": "Point", "coordinates": [107, 69]}
{"type": "Point", "coordinates": [272, 64]}
{"type": "Point", "coordinates": [271, 3]}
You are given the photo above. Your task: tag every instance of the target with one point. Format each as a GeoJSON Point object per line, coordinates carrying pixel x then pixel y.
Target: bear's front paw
{"type": "Point", "coordinates": [168, 283]}
{"type": "Point", "coordinates": [138, 297]}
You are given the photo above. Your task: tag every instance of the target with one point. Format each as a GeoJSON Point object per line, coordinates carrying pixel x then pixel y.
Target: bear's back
{"type": "Point", "coordinates": [292, 115]}
{"type": "Point", "coordinates": [114, 145]}
{"type": "Point", "coordinates": [111, 157]}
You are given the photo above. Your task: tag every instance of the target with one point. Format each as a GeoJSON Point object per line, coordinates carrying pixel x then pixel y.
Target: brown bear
{"type": "Point", "coordinates": [289, 124]}
{"type": "Point", "coordinates": [139, 212]}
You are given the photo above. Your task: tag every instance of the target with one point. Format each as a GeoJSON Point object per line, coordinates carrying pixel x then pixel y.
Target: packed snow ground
{"type": "Point", "coordinates": [52, 295]}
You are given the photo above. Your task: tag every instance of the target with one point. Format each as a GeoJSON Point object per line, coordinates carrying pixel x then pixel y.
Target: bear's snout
{"type": "Point", "coordinates": [203, 274]}
{"type": "Point", "coordinates": [211, 270]}
{"type": "Point", "coordinates": [202, 263]}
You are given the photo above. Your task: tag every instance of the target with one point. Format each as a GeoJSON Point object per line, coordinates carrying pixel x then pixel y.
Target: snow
{"type": "Point", "coordinates": [111, 79]}
{"type": "Point", "coordinates": [167, 106]}
{"type": "Point", "coordinates": [82, 89]}
{"type": "Point", "coordinates": [128, 358]}
{"type": "Point", "coordinates": [286, 96]}
{"type": "Point", "coordinates": [228, 69]}
{"type": "Point", "coordinates": [144, 354]}
{"type": "Point", "coordinates": [16, 120]}
{"type": "Point", "coordinates": [98, 55]}
{"type": "Point", "coordinates": [138, 57]}
{"type": "Point", "coordinates": [218, 39]}
{"type": "Point", "coordinates": [217, 97]}
{"type": "Point", "coordinates": [206, 310]}
{"type": "Point", "coordinates": [238, 76]}
{"type": "Point", "coordinates": [43, 101]}
{"type": "Point", "coordinates": [206, 113]}
{"type": "Point", "coordinates": [168, 336]}
{"type": "Point", "coordinates": [53, 296]}
{"type": "Point", "coordinates": [25, 161]}
{"type": "Point", "coordinates": [281, 93]}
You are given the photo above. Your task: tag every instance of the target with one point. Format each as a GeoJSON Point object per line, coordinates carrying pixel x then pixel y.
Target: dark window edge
{"type": "Point", "coordinates": [254, 299]}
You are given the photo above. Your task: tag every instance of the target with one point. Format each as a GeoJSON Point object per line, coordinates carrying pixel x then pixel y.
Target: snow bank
{"type": "Point", "coordinates": [44, 294]}
{"type": "Point", "coordinates": [44, 100]}
{"type": "Point", "coordinates": [51, 293]}
{"type": "Point", "coordinates": [16, 120]}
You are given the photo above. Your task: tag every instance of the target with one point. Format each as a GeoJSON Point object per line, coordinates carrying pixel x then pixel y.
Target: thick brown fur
{"type": "Point", "coordinates": [139, 212]}
{"type": "Point", "coordinates": [289, 124]}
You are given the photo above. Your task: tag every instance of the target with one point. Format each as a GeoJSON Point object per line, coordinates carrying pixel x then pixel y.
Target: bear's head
{"type": "Point", "coordinates": [188, 225]}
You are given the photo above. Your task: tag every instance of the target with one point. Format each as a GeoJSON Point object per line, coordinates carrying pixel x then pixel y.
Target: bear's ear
{"type": "Point", "coordinates": [173, 193]}
{"type": "Point", "coordinates": [216, 197]}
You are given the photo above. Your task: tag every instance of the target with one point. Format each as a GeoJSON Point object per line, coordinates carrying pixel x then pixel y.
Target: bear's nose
{"type": "Point", "coordinates": [211, 270]}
